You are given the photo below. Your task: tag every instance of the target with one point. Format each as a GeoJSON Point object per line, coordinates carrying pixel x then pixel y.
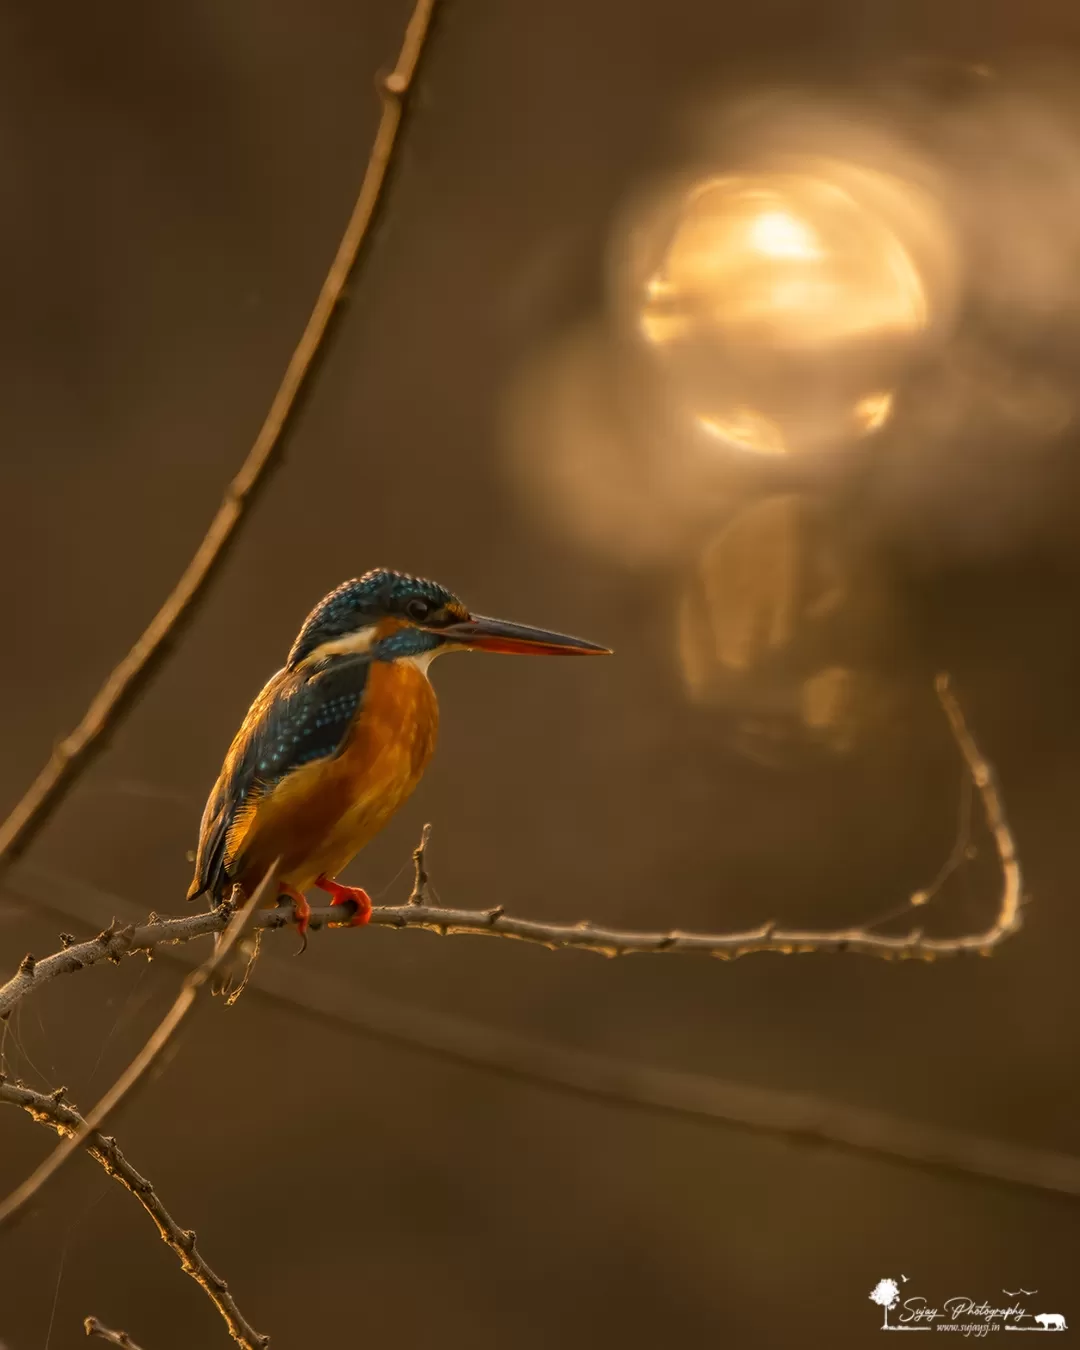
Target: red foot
{"type": "Point", "coordinates": [341, 895]}
{"type": "Point", "coordinates": [301, 909]}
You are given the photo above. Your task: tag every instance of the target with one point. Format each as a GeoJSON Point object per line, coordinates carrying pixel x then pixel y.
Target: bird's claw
{"type": "Point", "coordinates": [302, 910]}
{"type": "Point", "coordinates": [301, 915]}
{"type": "Point", "coordinates": [347, 895]}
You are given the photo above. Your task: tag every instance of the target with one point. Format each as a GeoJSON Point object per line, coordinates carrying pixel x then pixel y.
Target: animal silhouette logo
{"type": "Point", "coordinates": [1051, 1321]}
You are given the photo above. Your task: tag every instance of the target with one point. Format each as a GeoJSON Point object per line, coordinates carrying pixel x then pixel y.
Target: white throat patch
{"type": "Point", "coordinates": [424, 659]}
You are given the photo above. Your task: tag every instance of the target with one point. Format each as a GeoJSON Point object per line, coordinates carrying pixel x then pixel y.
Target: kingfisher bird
{"type": "Point", "coordinates": [339, 737]}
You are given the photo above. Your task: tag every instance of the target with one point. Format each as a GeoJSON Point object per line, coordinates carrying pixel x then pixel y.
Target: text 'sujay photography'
{"type": "Point", "coordinates": [704, 975]}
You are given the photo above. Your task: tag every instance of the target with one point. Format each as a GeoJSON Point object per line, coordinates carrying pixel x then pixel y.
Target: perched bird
{"type": "Point", "coordinates": [339, 737]}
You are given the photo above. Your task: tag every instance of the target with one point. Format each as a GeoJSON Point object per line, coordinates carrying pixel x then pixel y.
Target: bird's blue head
{"type": "Point", "coordinates": [394, 616]}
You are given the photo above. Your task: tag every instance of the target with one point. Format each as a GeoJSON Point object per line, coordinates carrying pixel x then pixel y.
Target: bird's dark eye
{"type": "Point", "coordinates": [418, 610]}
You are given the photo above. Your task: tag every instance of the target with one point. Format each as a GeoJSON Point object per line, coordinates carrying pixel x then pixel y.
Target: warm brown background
{"type": "Point", "coordinates": [173, 180]}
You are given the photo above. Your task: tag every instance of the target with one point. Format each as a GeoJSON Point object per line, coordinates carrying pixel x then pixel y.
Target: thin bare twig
{"type": "Point", "coordinates": [418, 912]}
{"type": "Point", "coordinates": [75, 752]}
{"type": "Point", "coordinates": [95, 1328]}
{"type": "Point", "coordinates": [586, 936]}
{"type": "Point", "coordinates": [151, 1051]}
{"type": "Point", "coordinates": [961, 850]}
{"type": "Point", "coordinates": [421, 891]}
{"type": "Point", "coordinates": [51, 1109]}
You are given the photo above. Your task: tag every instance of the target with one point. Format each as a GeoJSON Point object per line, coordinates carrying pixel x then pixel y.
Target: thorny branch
{"type": "Point", "coordinates": [147, 1056]}
{"type": "Point", "coordinates": [768, 937]}
{"type": "Point", "coordinates": [51, 1109]}
{"type": "Point", "coordinates": [418, 912]}
{"type": "Point", "coordinates": [73, 755]}
{"type": "Point", "coordinates": [95, 1328]}
{"type": "Point", "coordinates": [705, 1098]}
{"type": "Point", "coordinates": [794, 1117]}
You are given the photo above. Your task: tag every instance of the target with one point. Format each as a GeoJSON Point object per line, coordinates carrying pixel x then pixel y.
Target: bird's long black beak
{"type": "Point", "coordinates": [499, 635]}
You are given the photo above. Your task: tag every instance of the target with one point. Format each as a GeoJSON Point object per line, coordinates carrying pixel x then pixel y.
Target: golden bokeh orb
{"type": "Point", "coordinates": [781, 305]}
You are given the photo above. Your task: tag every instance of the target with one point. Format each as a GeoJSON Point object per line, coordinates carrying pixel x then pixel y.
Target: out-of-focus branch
{"type": "Point", "coordinates": [151, 1051]}
{"type": "Point", "coordinates": [75, 752]}
{"type": "Point", "coordinates": [418, 912]}
{"type": "Point", "coordinates": [51, 1109]}
{"type": "Point", "coordinates": [95, 1328]}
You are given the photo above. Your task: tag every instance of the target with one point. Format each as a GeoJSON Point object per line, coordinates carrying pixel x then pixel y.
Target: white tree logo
{"type": "Point", "coordinates": [886, 1294]}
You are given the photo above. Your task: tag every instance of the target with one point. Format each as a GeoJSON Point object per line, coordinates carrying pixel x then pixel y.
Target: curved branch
{"type": "Point", "coordinates": [116, 696]}
{"type": "Point", "coordinates": [117, 940]}
{"type": "Point", "coordinates": [334, 1001]}
{"type": "Point", "coordinates": [50, 1109]}
{"type": "Point", "coordinates": [767, 937]}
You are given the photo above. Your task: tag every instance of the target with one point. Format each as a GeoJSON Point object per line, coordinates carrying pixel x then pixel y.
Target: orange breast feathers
{"type": "Point", "coordinates": [320, 816]}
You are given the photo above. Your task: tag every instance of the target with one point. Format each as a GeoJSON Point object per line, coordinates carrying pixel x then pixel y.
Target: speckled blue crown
{"type": "Point", "coordinates": [357, 603]}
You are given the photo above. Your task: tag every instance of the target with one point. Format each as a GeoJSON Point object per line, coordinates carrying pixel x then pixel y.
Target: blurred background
{"type": "Point", "coordinates": [745, 341]}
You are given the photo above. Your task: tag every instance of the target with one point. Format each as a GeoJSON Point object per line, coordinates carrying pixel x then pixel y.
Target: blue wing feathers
{"type": "Point", "coordinates": [301, 716]}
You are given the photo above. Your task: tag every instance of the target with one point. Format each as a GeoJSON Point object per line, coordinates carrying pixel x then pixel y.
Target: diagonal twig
{"type": "Point", "coordinates": [93, 1327]}
{"type": "Point", "coordinates": [50, 1109]}
{"type": "Point", "coordinates": [76, 751]}
{"type": "Point", "coordinates": [151, 1051]}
